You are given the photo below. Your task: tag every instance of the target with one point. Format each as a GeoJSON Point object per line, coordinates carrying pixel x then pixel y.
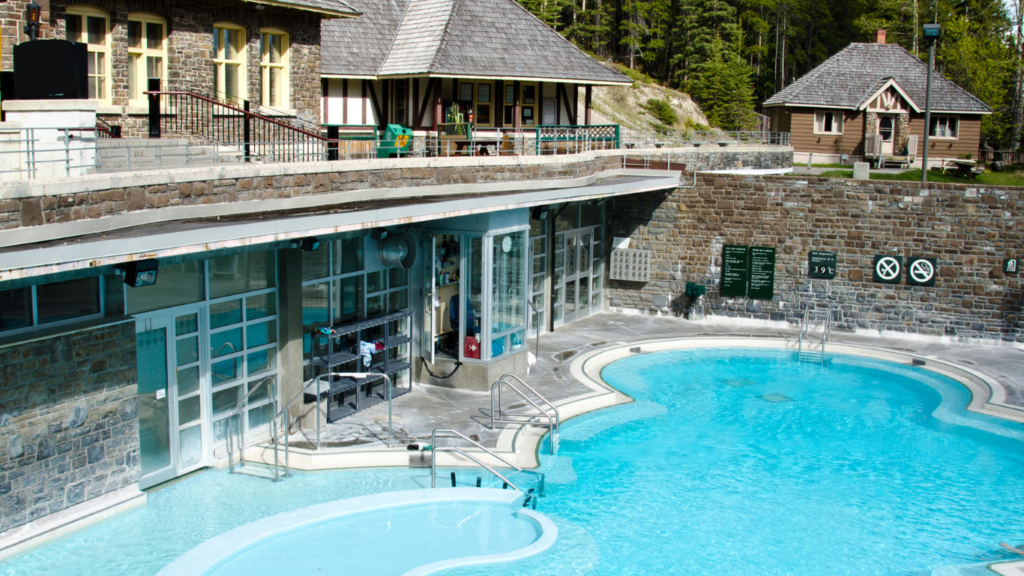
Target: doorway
{"type": "Point", "coordinates": [887, 132]}
{"type": "Point", "coordinates": [576, 290]}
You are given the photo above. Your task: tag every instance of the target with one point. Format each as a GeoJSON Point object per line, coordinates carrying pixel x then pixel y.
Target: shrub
{"type": "Point", "coordinates": [662, 111]}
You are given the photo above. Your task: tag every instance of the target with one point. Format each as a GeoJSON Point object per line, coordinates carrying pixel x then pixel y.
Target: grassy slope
{"type": "Point", "coordinates": [621, 104]}
{"type": "Point", "coordinates": [990, 178]}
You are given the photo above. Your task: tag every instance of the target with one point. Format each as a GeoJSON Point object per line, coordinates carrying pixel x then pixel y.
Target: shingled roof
{"type": "Point", "coordinates": [479, 38]}
{"type": "Point", "coordinates": [325, 8]}
{"type": "Point", "coordinates": [850, 77]}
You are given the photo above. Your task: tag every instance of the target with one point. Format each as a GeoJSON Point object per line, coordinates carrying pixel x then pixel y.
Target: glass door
{"type": "Point", "coordinates": [155, 446]}
{"type": "Point", "coordinates": [188, 392]}
{"type": "Point", "coordinates": [430, 301]}
{"type": "Point", "coordinates": [576, 285]}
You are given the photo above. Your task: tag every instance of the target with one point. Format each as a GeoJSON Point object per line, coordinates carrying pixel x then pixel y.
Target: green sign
{"type": "Point", "coordinates": [734, 271]}
{"type": "Point", "coordinates": [921, 271]}
{"type": "Point", "coordinates": [1011, 266]}
{"type": "Point", "coordinates": [887, 269]}
{"type": "Point", "coordinates": [821, 265]}
{"type": "Point", "coordinates": [762, 273]}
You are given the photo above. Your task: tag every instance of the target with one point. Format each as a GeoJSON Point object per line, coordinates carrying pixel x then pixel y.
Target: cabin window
{"type": "Point", "coordinates": [90, 26]}
{"type": "Point", "coordinates": [229, 48]}
{"type": "Point", "coordinates": [827, 122]}
{"type": "Point", "coordinates": [945, 127]}
{"type": "Point", "coordinates": [483, 103]}
{"type": "Point", "coordinates": [509, 103]}
{"type": "Point", "coordinates": [528, 113]}
{"type": "Point", "coordinates": [147, 53]}
{"type": "Point", "coordinates": [401, 100]}
{"type": "Point", "coordinates": [273, 68]}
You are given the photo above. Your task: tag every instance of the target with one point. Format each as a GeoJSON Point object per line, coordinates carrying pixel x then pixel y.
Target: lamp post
{"type": "Point", "coordinates": [33, 16]}
{"type": "Point", "coordinates": [931, 33]}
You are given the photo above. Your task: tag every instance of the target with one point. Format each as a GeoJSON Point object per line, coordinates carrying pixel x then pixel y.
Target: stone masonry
{"type": "Point", "coordinates": [970, 229]}
{"type": "Point", "coordinates": [69, 428]}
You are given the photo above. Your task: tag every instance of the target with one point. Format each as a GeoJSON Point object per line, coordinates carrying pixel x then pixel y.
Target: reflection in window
{"type": "Point", "coordinates": [66, 300]}
{"type": "Point", "coordinates": [15, 308]}
{"type": "Point", "coordinates": [176, 284]}
{"type": "Point", "coordinates": [230, 275]}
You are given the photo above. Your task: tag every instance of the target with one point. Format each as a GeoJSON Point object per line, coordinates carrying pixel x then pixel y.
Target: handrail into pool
{"type": "Point", "coordinates": [451, 432]}
{"type": "Point", "coordinates": [241, 429]}
{"type": "Point", "coordinates": [433, 466]}
{"type": "Point", "coordinates": [553, 420]}
{"type": "Point", "coordinates": [803, 331]}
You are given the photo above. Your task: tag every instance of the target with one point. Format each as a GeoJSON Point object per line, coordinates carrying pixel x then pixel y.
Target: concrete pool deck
{"type": "Point", "coordinates": [360, 439]}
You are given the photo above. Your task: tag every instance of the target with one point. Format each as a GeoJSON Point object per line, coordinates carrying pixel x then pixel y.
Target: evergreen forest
{"type": "Point", "coordinates": [731, 55]}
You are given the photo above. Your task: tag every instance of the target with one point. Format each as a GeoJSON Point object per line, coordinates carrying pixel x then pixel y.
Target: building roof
{"type": "Point", "coordinates": [326, 8]}
{"type": "Point", "coordinates": [850, 77]}
{"type": "Point", "coordinates": [475, 38]}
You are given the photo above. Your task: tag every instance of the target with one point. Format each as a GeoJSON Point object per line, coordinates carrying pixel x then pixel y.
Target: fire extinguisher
{"type": "Point", "coordinates": [470, 116]}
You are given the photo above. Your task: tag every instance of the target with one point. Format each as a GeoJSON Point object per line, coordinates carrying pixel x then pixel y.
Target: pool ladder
{"type": "Point", "coordinates": [450, 433]}
{"type": "Point", "coordinates": [804, 334]}
{"type": "Point", "coordinates": [548, 411]}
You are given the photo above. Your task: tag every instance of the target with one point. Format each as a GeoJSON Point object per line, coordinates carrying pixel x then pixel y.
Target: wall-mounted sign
{"type": "Point", "coordinates": [548, 111]}
{"type": "Point", "coordinates": [821, 265]}
{"type": "Point", "coordinates": [762, 273]}
{"type": "Point", "coordinates": [1011, 266]}
{"type": "Point", "coordinates": [887, 269]}
{"type": "Point", "coordinates": [921, 271]}
{"type": "Point", "coordinates": [734, 271]}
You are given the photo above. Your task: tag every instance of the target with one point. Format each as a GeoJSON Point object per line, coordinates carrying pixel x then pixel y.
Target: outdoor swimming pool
{"type": "Point", "coordinates": [731, 461]}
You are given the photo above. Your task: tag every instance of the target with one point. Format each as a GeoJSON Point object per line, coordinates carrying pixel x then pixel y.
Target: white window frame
{"type": "Point", "coordinates": [221, 62]}
{"type": "Point", "coordinates": [284, 97]}
{"type": "Point", "coordinates": [838, 119]}
{"type": "Point", "coordinates": [86, 12]}
{"type": "Point", "coordinates": [142, 53]}
{"type": "Point", "coordinates": [939, 120]}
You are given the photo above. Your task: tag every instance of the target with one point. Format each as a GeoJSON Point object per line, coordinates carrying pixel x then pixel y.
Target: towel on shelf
{"type": "Point", "coordinates": [366, 350]}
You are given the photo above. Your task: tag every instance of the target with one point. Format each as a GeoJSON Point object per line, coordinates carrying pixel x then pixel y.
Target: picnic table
{"type": "Point", "coordinates": [961, 167]}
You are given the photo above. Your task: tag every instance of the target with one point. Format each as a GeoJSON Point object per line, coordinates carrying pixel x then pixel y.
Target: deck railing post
{"type": "Point", "coordinates": [332, 146]}
{"type": "Point", "coordinates": [154, 107]}
{"type": "Point", "coordinates": [246, 129]}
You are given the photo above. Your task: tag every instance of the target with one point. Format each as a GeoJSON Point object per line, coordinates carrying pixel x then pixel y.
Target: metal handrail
{"type": "Point", "coordinates": [433, 466]}
{"type": "Point", "coordinates": [496, 409]}
{"type": "Point", "coordinates": [827, 331]}
{"type": "Point", "coordinates": [236, 410]}
{"type": "Point", "coordinates": [536, 315]}
{"type": "Point", "coordinates": [803, 331]}
{"type": "Point", "coordinates": [558, 415]}
{"type": "Point", "coordinates": [455, 433]}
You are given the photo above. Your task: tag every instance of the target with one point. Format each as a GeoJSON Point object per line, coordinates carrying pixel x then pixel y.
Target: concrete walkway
{"type": "Point", "coordinates": [429, 407]}
{"type": "Point", "coordinates": [803, 170]}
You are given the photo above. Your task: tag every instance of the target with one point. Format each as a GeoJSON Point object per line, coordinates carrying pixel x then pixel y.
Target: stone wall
{"type": "Point", "coordinates": [715, 158]}
{"type": "Point", "coordinates": [969, 228]}
{"type": "Point", "coordinates": [69, 429]}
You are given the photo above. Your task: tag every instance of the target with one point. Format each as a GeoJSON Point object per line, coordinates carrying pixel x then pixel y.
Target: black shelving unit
{"type": "Point", "coordinates": [346, 396]}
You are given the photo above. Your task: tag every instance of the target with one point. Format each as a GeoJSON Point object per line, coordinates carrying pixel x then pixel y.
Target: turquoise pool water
{"type": "Point", "coordinates": [730, 462]}
{"type": "Point", "coordinates": [389, 541]}
{"type": "Point", "coordinates": [748, 462]}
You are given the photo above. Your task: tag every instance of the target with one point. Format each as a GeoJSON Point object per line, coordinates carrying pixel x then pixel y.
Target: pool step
{"type": "Point", "coordinates": [258, 470]}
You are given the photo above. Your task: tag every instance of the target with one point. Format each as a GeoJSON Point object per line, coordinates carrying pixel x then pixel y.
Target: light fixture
{"type": "Point", "coordinates": [141, 273]}
{"type": "Point", "coordinates": [310, 244]}
{"type": "Point", "coordinates": [540, 213]}
{"type": "Point", "coordinates": [33, 17]}
{"type": "Point", "coordinates": [398, 250]}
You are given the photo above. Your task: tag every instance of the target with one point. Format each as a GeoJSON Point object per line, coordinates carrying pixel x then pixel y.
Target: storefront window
{"type": "Point", "coordinates": [508, 290]}
{"type": "Point", "coordinates": [474, 283]}
{"type": "Point", "coordinates": [230, 275]}
{"type": "Point", "coordinates": [176, 285]}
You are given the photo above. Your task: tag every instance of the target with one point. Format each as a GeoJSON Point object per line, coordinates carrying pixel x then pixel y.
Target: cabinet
{"type": "Point", "coordinates": [346, 396]}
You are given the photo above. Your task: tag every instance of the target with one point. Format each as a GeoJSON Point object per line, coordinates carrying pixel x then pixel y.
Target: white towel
{"type": "Point", "coordinates": [366, 350]}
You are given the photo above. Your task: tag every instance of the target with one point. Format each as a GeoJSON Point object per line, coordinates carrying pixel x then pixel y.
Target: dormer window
{"type": "Point", "coordinates": [828, 122]}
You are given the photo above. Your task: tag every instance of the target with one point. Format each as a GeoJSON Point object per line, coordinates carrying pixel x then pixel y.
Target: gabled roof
{"type": "Point", "coordinates": [456, 38]}
{"type": "Point", "coordinates": [326, 8]}
{"type": "Point", "coordinates": [852, 75]}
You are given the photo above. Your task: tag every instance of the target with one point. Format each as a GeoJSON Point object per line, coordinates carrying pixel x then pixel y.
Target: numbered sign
{"type": "Point", "coordinates": [921, 271]}
{"type": "Point", "coordinates": [1011, 266]}
{"type": "Point", "coordinates": [734, 271]}
{"type": "Point", "coordinates": [887, 269]}
{"type": "Point", "coordinates": [821, 265]}
{"type": "Point", "coordinates": [762, 273]}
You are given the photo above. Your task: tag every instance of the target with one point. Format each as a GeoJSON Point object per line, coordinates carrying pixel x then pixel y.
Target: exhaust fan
{"type": "Point", "coordinates": [398, 250]}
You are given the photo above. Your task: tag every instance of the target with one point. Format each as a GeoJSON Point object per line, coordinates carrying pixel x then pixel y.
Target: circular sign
{"type": "Point", "coordinates": [506, 243]}
{"type": "Point", "coordinates": [401, 140]}
{"type": "Point", "coordinates": [888, 268]}
{"type": "Point", "coordinates": [922, 271]}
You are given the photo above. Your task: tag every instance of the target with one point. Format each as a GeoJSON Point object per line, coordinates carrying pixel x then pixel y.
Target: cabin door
{"type": "Point", "coordinates": [887, 132]}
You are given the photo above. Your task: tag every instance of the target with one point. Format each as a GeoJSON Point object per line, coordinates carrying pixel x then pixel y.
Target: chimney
{"type": "Point", "coordinates": [880, 37]}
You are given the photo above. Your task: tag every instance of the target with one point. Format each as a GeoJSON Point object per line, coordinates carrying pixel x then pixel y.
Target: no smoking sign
{"type": "Point", "coordinates": [921, 271]}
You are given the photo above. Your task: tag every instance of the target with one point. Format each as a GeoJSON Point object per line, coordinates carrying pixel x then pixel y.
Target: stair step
{"type": "Point", "coordinates": [257, 470]}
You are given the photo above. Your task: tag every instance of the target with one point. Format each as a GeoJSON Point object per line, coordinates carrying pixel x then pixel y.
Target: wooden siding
{"type": "Point", "coordinates": [967, 142]}
{"type": "Point", "coordinates": [803, 138]}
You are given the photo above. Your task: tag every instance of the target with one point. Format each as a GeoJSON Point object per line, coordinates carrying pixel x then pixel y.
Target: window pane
{"type": "Point", "coordinates": [231, 80]}
{"type": "Point", "coordinates": [226, 342]}
{"type": "Point", "coordinates": [568, 219]}
{"type": "Point", "coordinates": [348, 255]}
{"type": "Point", "coordinates": [260, 334]}
{"type": "Point", "coordinates": [187, 324]}
{"type": "Point", "coordinates": [314, 314]}
{"type": "Point", "coordinates": [231, 275]}
{"type": "Point", "coordinates": [226, 370]}
{"type": "Point", "coordinates": [73, 28]}
{"type": "Point", "coordinates": [154, 35]}
{"type": "Point", "coordinates": [398, 277]}
{"type": "Point", "coordinates": [374, 306]}
{"type": "Point", "coordinates": [375, 282]}
{"type": "Point", "coordinates": [260, 306]}
{"type": "Point", "coordinates": [314, 264]}
{"type": "Point", "coordinates": [220, 427]}
{"type": "Point", "coordinates": [591, 214]}
{"type": "Point", "coordinates": [225, 313]}
{"type": "Point", "coordinates": [508, 282]}
{"type": "Point", "coordinates": [133, 82]}
{"type": "Point", "coordinates": [187, 351]}
{"type": "Point", "coordinates": [15, 308]}
{"type": "Point", "coordinates": [134, 34]}
{"type": "Point", "coordinates": [97, 30]}
{"type": "Point", "coordinates": [188, 410]}
{"type": "Point", "coordinates": [261, 389]}
{"type": "Point", "coordinates": [348, 299]}
{"type": "Point", "coordinates": [274, 87]}
{"type": "Point", "coordinates": [538, 264]}
{"type": "Point", "coordinates": [232, 44]}
{"type": "Point", "coordinates": [154, 67]}
{"type": "Point", "coordinates": [176, 284]}
{"type": "Point", "coordinates": [262, 361]}
{"type": "Point", "coordinates": [225, 400]}
{"type": "Point", "coordinates": [188, 380]}
{"type": "Point", "coordinates": [66, 300]}
{"type": "Point", "coordinates": [398, 300]}
{"type": "Point", "coordinates": [260, 416]}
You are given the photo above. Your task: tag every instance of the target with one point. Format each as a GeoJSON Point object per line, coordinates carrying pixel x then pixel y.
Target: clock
{"type": "Point", "coordinates": [506, 243]}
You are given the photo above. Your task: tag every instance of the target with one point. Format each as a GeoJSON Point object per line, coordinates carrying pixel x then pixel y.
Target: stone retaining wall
{"type": "Point", "coordinates": [69, 428]}
{"type": "Point", "coordinates": [969, 228]}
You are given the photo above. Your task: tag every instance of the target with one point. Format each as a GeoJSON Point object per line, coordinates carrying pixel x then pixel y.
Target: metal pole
{"type": "Point", "coordinates": [927, 112]}
{"type": "Point", "coordinates": [387, 382]}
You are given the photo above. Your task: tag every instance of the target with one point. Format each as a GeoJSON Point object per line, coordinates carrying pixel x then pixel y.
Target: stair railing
{"type": "Point", "coordinates": [456, 434]}
{"type": "Point", "coordinates": [553, 417]}
{"type": "Point", "coordinates": [236, 411]}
